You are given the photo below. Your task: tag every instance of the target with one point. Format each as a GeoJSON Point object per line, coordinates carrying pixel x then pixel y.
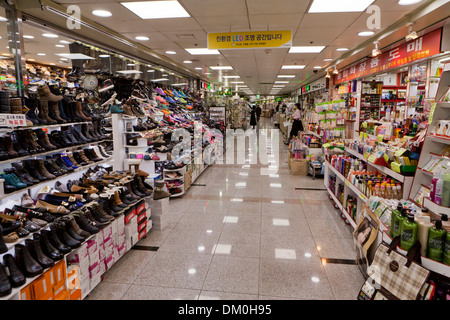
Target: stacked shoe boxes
{"type": "Point", "coordinates": [136, 224]}
{"type": "Point", "coordinates": [80, 258]}
{"type": "Point", "coordinates": [159, 210]}
{"type": "Point", "coordinates": [51, 285]}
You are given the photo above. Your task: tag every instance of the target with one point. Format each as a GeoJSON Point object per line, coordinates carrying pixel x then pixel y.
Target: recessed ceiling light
{"type": "Point", "coordinates": [170, 52]}
{"type": "Point", "coordinates": [281, 81]}
{"type": "Point", "coordinates": [202, 51]}
{"type": "Point", "coordinates": [293, 67]}
{"type": "Point", "coordinates": [317, 67]}
{"type": "Point", "coordinates": [198, 68]}
{"type": "Point", "coordinates": [64, 41]}
{"type": "Point", "coordinates": [187, 61]}
{"type": "Point", "coordinates": [306, 49]}
{"type": "Point", "coordinates": [131, 64]}
{"type": "Point", "coordinates": [150, 70]}
{"type": "Point", "coordinates": [231, 77]}
{"type": "Point", "coordinates": [161, 79]}
{"type": "Point", "coordinates": [102, 13]}
{"type": "Point", "coordinates": [129, 71]}
{"type": "Point", "coordinates": [142, 38]}
{"type": "Point", "coordinates": [50, 35]}
{"type": "Point", "coordinates": [59, 45]}
{"type": "Point", "coordinates": [63, 59]}
{"type": "Point", "coordinates": [156, 9]}
{"type": "Point", "coordinates": [31, 59]}
{"type": "Point", "coordinates": [207, 73]}
{"type": "Point", "coordinates": [104, 56]}
{"type": "Point", "coordinates": [342, 49]}
{"type": "Point", "coordinates": [28, 37]}
{"type": "Point", "coordinates": [237, 82]}
{"type": "Point", "coordinates": [366, 33]}
{"type": "Point", "coordinates": [327, 59]}
{"type": "Point", "coordinates": [41, 54]}
{"type": "Point", "coordinates": [286, 76]}
{"type": "Point", "coordinates": [321, 6]}
{"type": "Point", "coordinates": [221, 68]}
{"type": "Point", "coordinates": [75, 56]}
{"type": "Point", "coordinates": [408, 2]}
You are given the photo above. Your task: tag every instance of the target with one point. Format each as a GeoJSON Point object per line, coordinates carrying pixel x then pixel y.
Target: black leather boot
{"type": "Point", "coordinates": [55, 242]}
{"type": "Point", "coordinates": [25, 262]}
{"type": "Point", "coordinates": [34, 247]}
{"type": "Point", "coordinates": [84, 223]}
{"type": "Point", "coordinates": [16, 277]}
{"type": "Point", "coordinates": [64, 236]}
{"type": "Point", "coordinates": [5, 285]}
{"type": "Point", "coordinates": [3, 247]}
{"type": "Point", "coordinates": [48, 249]}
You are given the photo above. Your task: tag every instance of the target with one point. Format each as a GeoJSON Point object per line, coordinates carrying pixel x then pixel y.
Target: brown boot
{"type": "Point", "coordinates": [43, 111]}
{"type": "Point", "coordinates": [72, 159]}
{"type": "Point", "coordinates": [79, 111]}
{"type": "Point", "coordinates": [127, 110]}
{"type": "Point", "coordinates": [9, 148]}
{"type": "Point", "coordinates": [84, 158]}
{"type": "Point", "coordinates": [45, 94]}
{"type": "Point", "coordinates": [16, 105]}
{"type": "Point", "coordinates": [159, 192]}
{"type": "Point", "coordinates": [54, 107]}
{"type": "Point", "coordinates": [39, 164]}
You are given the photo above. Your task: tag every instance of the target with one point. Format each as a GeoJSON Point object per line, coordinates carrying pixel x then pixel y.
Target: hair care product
{"type": "Point", "coordinates": [446, 190]}
{"type": "Point", "coordinates": [425, 224]}
{"type": "Point", "coordinates": [446, 258]}
{"type": "Point", "coordinates": [396, 213]}
{"type": "Point", "coordinates": [409, 233]}
{"type": "Point", "coordinates": [436, 238]}
{"type": "Point", "coordinates": [433, 188]}
{"type": "Point", "coordinates": [439, 187]}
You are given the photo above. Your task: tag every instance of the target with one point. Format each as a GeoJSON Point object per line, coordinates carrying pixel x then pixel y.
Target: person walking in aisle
{"type": "Point", "coordinates": [297, 124]}
{"type": "Point", "coordinates": [253, 122]}
{"type": "Point", "coordinates": [271, 114]}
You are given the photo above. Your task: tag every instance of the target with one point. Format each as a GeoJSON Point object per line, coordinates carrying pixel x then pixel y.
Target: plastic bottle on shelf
{"type": "Point", "coordinates": [436, 238]}
{"type": "Point", "coordinates": [433, 188]}
{"type": "Point", "coordinates": [409, 233]}
{"type": "Point", "coordinates": [446, 190]}
{"type": "Point", "coordinates": [388, 192]}
{"type": "Point", "coordinates": [439, 188]}
{"type": "Point", "coordinates": [394, 219]}
{"type": "Point", "coordinates": [424, 223]}
{"type": "Point", "coordinates": [446, 256]}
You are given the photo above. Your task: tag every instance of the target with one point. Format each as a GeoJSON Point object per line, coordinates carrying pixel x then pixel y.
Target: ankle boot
{"type": "Point", "coordinates": [55, 111]}
{"type": "Point", "coordinates": [80, 113]}
{"type": "Point", "coordinates": [33, 171]}
{"type": "Point", "coordinates": [39, 163]}
{"type": "Point", "coordinates": [83, 157]}
{"type": "Point", "coordinates": [71, 138]}
{"type": "Point", "coordinates": [48, 249]}
{"type": "Point", "coordinates": [71, 231]}
{"type": "Point", "coordinates": [135, 189]}
{"type": "Point", "coordinates": [9, 148]}
{"type": "Point", "coordinates": [72, 225]}
{"type": "Point", "coordinates": [45, 113]}
{"type": "Point", "coordinates": [44, 141]}
{"type": "Point", "coordinates": [3, 247]}
{"type": "Point", "coordinates": [31, 138]}
{"type": "Point", "coordinates": [140, 186]}
{"type": "Point", "coordinates": [97, 215]}
{"type": "Point", "coordinates": [34, 247]}
{"type": "Point", "coordinates": [3, 153]}
{"type": "Point", "coordinates": [159, 192]}
{"type": "Point", "coordinates": [64, 237]}
{"type": "Point", "coordinates": [84, 223]}
{"type": "Point", "coordinates": [25, 262]}
{"type": "Point", "coordinates": [5, 284]}
{"type": "Point", "coordinates": [16, 277]}
{"type": "Point", "coordinates": [54, 240]}
{"type": "Point", "coordinates": [87, 213]}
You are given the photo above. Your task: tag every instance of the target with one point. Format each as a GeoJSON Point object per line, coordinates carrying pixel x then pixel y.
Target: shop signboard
{"type": "Point", "coordinates": [250, 40]}
{"type": "Point", "coordinates": [414, 50]}
{"type": "Point", "coordinates": [13, 120]}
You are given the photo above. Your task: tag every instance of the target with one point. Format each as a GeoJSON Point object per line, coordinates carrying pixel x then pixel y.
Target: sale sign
{"type": "Point", "coordinates": [414, 50]}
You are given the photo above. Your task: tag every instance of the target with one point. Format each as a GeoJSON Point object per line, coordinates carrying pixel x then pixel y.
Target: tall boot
{"type": "Point", "coordinates": [25, 262]}
{"type": "Point", "coordinates": [48, 249]}
{"type": "Point", "coordinates": [34, 247]}
{"type": "Point", "coordinates": [44, 141]}
{"type": "Point", "coordinates": [44, 112]}
{"type": "Point", "coordinates": [32, 170]}
{"type": "Point", "coordinates": [54, 110]}
{"type": "Point", "coordinates": [79, 111]}
{"type": "Point", "coordinates": [9, 148]}
{"type": "Point", "coordinates": [39, 163]}
{"type": "Point", "coordinates": [62, 112]}
{"type": "Point", "coordinates": [45, 94]}
{"type": "Point", "coordinates": [31, 136]}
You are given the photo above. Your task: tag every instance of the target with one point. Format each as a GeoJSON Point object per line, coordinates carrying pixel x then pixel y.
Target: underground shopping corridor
{"type": "Point", "coordinates": [238, 235]}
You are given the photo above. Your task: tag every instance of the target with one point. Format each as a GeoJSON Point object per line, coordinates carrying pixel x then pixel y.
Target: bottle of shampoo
{"type": "Point", "coordinates": [409, 233]}
{"type": "Point", "coordinates": [394, 219]}
{"type": "Point", "coordinates": [436, 238]}
{"type": "Point", "coordinates": [425, 224]}
{"type": "Point", "coordinates": [433, 188]}
{"type": "Point", "coordinates": [439, 187]}
{"type": "Point", "coordinates": [446, 190]}
{"type": "Point", "coordinates": [447, 249]}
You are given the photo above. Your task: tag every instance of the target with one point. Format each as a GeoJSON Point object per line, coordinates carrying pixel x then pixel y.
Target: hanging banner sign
{"type": "Point", "coordinates": [250, 40]}
{"type": "Point", "coordinates": [417, 49]}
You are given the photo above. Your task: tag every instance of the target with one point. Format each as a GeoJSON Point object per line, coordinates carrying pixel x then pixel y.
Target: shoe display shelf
{"type": "Point", "coordinates": [71, 175]}
{"type": "Point", "coordinates": [50, 126]}
{"type": "Point", "coordinates": [433, 146]}
{"type": "Point", "coordinates": [181, 172]}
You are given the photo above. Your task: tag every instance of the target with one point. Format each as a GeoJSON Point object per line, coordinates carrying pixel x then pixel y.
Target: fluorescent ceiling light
{"type": "Point", "coordinates": [142, 38]}
{"type": "Point", "coordinates": [41, 54]}
{"type": "Point", "coordinates": [281, 81]}
{"type": "Point", "coordinates": [129, 71]}
{"type": "Point", "coordinates": [327, 59]}
{"type": "Point", "coordinates": [317, 67]}
{"type": "Point", "coordinates": [231, 77]}
{"type": "Point", "coordinates": [59, 45]}
{"type": "Point", "coordinates": [50, 35]}
{"type": "Point", "coordinates": [131, 64]}
{"type": "Point", "coordinates": [104, 56]}
{"type": "Point", "coordinates": [342, 49]}
{"type": "Point", "coordinates": [202, 51]}
{"type": "Point", "coordinates": [286, 76]}
{"type": "Point", "coordinates": [237, 82]}
{"type": "Point", "coordinates": [207, 73]}
{"type": "Point", "coordinates": [408, 2]}
{"type": "Point", "coordinates": [179, 84]}
{"type": "Point", "coordinates": [156, 9]}
{"type": "Point", "coordinates": [366, 33]}
{"type": "Point", "coordinates": [150, 70]}
{"type": "Point", "coordinates": [161, 79]}
{"type": "Point", "coordinates": [198, 68]}
{"type": "Point", "coordinates": [306, 49]}
{"type": "Point", "coordinates": [3, 19]}
{"type": "Point", "coordinates": [28, 37]}
{"type": "Point", "coordinates": [221, 68]}
{"type": "Point", "coordinates": [321, 6]}
{"type": "Point", "coordinates": [102, 13]}
{"type": "Point", "coordinates": [293, 67]}
{"type": "Point", "coordinates": [170, 52]}
{"type": "Point", "coordinates": [64, 41]}
{"type": "Point", "coordinates": [75, 56]}
{"type": "Point", "coordinates": [187, 61]}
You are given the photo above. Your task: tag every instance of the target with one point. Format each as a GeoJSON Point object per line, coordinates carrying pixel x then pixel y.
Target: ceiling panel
{"type": "Point", "coordinates": [275, 22]}
{"type": "Point", "coordinates": [276, 7]}
{"type": "Point", "coordinates": [224, 23]}
{"type": "Point", "coordinates": [317, 35]}
{"type": "Point", "coordinates": [329, 19]}
{"type": "Point", "coordinates": [214, 8]}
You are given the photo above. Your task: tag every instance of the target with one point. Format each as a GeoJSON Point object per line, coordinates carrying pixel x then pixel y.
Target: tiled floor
{"type": "Point", "coordinates": [242, 235]}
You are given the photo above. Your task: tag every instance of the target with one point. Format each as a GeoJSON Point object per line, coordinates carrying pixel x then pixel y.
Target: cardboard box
{"type": "Point", "coordinates": [47, 296]}
{"type": "Point", "coordinates": [109, 261]}
{"type": "Point", "coordinates": [83, 267]}
{"type": "Point", "coordinates": [142, 234]}
{"type": "Point", "coordinates": [149, 225]}
{"type": "Point", "coordinates": [131, 228]}
{"type": "Point", "coordinates": [59, 271]}
{"type": "Point", "coordinates": [101, 251]}
{"type": "Point", "coordinates": [94, 270]}
{"type": "Point", "coordinates": [129, 215]}
{"type": "Point", "coordinates": [79, 254]}
{"type": "Point", "coordinates": [160, 207]}
{"type": "Point", "coordinates": [85, 287]}
{"type": "Point", "coordinates": [64, 295]}
{"type": "Point", "coordinates": [142, 216]}
{"type": "Point", "coordinates": [149, 212]}
{"type": "Point", "coordinates": [140, 206]}
{"type": "Point", "coordinates": [142, 226]}
{"type": "Point", "coordinates": [27, 293]}
{"type": "Point", "coordinates": [75, 294]}
{"type": "Point", "coordinates": [58, 289]}
{"type": "Point", "coordinates": [120, 225]}
{"type": "Point", "coordinates": [95, 281]}
{"type": "Point", "coordinates": [42, 287]}
{"type": "Point", "coordinates": [92, 246]}
{"type": "Point", "coordinates": [121, 250]}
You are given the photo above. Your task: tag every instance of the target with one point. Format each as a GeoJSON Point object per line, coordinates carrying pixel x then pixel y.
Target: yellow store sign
{"type": "Point", "coordinates": [250, 40]}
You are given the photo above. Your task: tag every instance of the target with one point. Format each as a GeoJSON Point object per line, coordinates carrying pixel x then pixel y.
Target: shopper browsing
{"type": "Point", "coordinates": [297, 124]}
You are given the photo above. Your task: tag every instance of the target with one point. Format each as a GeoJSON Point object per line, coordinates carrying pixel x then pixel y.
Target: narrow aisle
{"type": "Point", "coordinates": [238, 234]}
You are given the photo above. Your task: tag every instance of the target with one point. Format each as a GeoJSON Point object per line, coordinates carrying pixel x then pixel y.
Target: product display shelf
{"type": "Point", "coordinates": [433, 145]}
{"type": "Point", "coordinates": [66, 149]}
{"type": "Point", "coordinates": [51, 126]}
{"type": "Point", "coordinates": [20, 191]}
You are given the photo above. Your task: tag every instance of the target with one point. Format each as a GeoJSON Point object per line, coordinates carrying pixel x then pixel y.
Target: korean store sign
{"type": "Point", "coordinates": [13, 120]}
{"type": "Point", "coordinates": [250, 40]}
{"type": "Point", "coordinates": [420, 48]}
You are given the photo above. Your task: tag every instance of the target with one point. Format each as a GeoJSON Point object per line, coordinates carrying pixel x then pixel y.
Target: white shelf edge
{"type": "Point", "coordinates": [433, 207]}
